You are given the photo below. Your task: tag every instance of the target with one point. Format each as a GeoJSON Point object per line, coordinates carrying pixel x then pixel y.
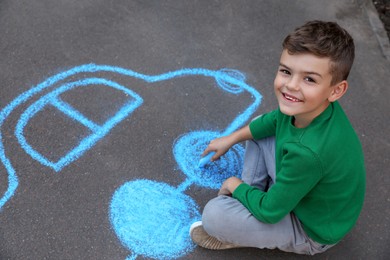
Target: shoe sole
{"type": "Point", "coordinates": [195, 225]}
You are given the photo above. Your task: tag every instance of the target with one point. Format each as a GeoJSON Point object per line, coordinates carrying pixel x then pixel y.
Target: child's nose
{"type": "Point", "coordinates": [293, 84]}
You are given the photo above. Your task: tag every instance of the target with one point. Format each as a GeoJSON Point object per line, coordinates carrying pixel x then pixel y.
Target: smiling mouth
{"type": "Point", "coordinates": [291, 98]}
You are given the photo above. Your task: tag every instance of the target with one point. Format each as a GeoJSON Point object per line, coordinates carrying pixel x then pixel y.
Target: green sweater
{"type": "Point", "coordinates": [320, 174]}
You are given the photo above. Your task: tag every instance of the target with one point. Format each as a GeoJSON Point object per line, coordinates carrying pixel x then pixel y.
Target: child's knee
{"type": "Point", "coordinates": [213, 213]}
{"type": "Point", "coordinates": [212, 210]}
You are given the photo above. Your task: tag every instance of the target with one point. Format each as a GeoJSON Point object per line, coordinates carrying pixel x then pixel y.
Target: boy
{"type": "Point", "coordinates": [303, 180]}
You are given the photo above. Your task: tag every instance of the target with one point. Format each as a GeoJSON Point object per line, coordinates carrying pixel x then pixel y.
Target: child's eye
{"type": "Point", "coordinates": [284, 71]}
{"type": "Point", "coordinates": [309, 79]}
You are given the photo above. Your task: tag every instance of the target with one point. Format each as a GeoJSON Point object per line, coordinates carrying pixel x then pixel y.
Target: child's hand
{"type": "Point", "coordinates": [220, 146]}
{"type": "Point", "coordinates": [229, 186]}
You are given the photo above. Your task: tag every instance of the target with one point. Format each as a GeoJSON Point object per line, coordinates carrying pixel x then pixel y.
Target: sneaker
{"type": "Point", "coordinates": [201, 238]}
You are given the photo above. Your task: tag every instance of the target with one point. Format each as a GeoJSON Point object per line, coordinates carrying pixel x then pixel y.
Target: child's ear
{"type": "Point", "coordinates": [338, 91]}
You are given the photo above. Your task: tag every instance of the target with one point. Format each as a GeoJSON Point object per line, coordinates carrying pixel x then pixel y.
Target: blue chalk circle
{"type": "Point", "coordinates": [187, 151]}
{"type": "Point", "coordinates": [152, 219]}
{"type": "Point", "coordinates": [226, 83]}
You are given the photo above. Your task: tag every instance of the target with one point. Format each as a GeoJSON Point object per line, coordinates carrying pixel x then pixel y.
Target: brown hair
{"type": "Point", "coordinates": [324, 39]}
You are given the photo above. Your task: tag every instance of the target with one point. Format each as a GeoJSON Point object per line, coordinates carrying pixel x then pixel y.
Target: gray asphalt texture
{"type": "Point", "coordinates": [64, 215]}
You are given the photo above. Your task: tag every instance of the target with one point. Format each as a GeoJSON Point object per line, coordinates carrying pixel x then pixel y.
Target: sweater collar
{"type": "Point", "coordinates": [326, 114]}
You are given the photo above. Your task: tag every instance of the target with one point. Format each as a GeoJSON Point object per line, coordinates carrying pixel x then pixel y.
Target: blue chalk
{"type": "Point", "coordinates": [205, 160]}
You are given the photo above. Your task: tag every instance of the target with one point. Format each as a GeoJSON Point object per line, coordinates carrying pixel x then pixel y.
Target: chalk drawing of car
{"type": "Point", "coordinates": [150, 218]}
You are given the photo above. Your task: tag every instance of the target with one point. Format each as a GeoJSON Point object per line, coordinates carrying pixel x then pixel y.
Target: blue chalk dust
{"type": "Point", "coordinates": [187, 151]}
{"type": "Point", "coordinates": [152, 219]}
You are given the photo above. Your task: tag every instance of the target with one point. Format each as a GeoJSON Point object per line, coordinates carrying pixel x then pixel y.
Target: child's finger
{"type": "Point", "coordinates": [216, 156]}
{"type": "Point", "coordinates": [207, 151]}
{"type": "Point", "coordinates": [204, 160]}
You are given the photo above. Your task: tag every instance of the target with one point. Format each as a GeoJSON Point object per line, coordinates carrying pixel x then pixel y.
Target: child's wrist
{"type": "Point", "coordinates": [234, 182]}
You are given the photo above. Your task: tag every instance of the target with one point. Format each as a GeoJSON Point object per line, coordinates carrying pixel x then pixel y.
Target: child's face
{"type": "Point", "coordinates": [303, 86]}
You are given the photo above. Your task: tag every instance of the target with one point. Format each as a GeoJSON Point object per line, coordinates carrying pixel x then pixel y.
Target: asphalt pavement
{"type": "Point", "coordinates": [106, 106]}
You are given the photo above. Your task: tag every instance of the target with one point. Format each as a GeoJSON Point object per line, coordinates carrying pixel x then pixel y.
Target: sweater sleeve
{"type": "Point", "coordinates": [293, 182]}
{"type": "Point", "coordinates": [264, 125]}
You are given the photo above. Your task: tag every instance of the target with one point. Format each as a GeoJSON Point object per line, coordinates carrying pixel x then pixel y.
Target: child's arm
{"type": "Point", "coordinates": [221, 145]}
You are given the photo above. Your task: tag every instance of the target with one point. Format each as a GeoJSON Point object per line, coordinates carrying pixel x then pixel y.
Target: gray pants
{"type": "Point", "coordinates": [228, 220]}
